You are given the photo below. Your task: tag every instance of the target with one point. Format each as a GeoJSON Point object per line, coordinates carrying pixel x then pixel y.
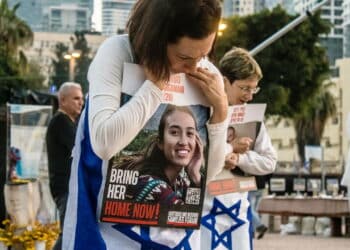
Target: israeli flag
{"type": "Point", "coordinates": [82, 229]}
{"type": "Point", "coordinates": [226, 222]}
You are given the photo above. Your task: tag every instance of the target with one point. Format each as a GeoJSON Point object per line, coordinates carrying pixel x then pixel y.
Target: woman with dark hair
{"type": "Point", "coordinates": [164, 37]}
{"type": "Point", "coordinates": [172, 162]}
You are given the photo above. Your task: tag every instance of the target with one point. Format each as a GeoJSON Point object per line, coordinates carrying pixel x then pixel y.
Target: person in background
{"type": "Point", "coordinates": [164, 37]}
{"type": "Point", "coordinates": [60, 141]}
{"type": "Point", "coordinates": [254, 156]}
{"type": "Point", "coordinates": [255, 196]}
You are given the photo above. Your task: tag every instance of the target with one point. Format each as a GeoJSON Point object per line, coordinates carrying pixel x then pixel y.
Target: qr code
{"type": "Point", "coordinates": [193, 196]}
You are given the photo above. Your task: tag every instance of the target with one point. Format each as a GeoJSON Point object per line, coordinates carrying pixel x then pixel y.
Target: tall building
{"type": "Point", "coordinates": [259, 5]}
{"type": "Point", "coordinates": [67, 18]}
{"type": "Point", "coordinates": [55, 15]}
{"type": "Point", "coordinates": [30, 12]}
{"type": "Point", "coordinates": [238, 7]}
{"type": "Point", "coordinates": [246, 7]}
{"type": "Point", "coordinates": [332, 11]}
{"type": "Point", "coordinates": [288, 5]}
{"type": "Point", "coordinates": [115, 14]}
{"type": "Point", "coordinates": [346, 28]}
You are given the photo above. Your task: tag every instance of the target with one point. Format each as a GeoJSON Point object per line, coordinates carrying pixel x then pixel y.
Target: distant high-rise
{"type": "Point", "coordinates": [332, 11]}
{"type": "Point", "coordinates": [288, 5]}
{"type": "Point", "coordinates": [238, 7]}
{"type": "Point", "coordinates": [55, 15]}
{"type": "Point", "coordinates": [67, 18]}
{"type": "Point", "coordinates": [115, 14]}
{"type": "Point", "coordinates": [346, 28]}
{"type": "Point", "coordinates": [246, 7]}
{"type": "Point", "coordinates": [30, 12]}
{"type": "Point", "coordinates": [259, 5]}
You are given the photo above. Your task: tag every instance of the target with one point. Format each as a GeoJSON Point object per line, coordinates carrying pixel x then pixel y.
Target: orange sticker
{"type": "Point", "coordinates": [232, 185]}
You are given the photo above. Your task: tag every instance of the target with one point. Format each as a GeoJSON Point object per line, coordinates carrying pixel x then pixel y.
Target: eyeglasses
{"type": "Point", "coordinates": [248, 90]}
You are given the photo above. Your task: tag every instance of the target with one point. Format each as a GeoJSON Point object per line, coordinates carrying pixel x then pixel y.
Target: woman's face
{"type": "Point", "coordinates": [179, 141]}
{"type": "Point", "coordinates": [184, 55]}
{"type": "Point", "coordinates": [240, 91]}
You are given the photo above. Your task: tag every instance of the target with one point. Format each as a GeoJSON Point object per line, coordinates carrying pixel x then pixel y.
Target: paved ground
{"type": "Point", "coordinates": [275, 241]}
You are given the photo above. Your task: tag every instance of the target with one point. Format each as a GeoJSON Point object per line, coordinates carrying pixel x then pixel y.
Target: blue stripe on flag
{"type": "Point", "coordinates": [87, 235]}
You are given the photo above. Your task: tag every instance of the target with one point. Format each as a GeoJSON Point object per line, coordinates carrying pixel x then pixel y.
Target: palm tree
{"type": "Point", "coordinates": [14, 32]}
{"type": "Point", "coordinates": [14, 35]}
{"type": "Point", "coordinates": [310, 125]}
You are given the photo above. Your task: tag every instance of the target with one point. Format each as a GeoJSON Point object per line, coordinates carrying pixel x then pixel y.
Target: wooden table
{"type": "Point", "coordinates": [334, 208]}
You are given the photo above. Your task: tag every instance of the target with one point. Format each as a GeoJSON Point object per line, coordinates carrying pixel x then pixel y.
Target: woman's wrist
{"type": "Point", "coordinates": [219, 113]}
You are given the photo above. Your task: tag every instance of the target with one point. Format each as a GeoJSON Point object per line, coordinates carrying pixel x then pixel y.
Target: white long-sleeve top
{"type": "Point", "coordinates": [262, 159]}
{"type": "Point", "coordinates": [113, 127]}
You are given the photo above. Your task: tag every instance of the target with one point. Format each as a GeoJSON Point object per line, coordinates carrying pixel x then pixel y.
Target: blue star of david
{"type": "Point", "coordinates": [146, 243]}
{"type": "Point", "coordinates": [209, 221]}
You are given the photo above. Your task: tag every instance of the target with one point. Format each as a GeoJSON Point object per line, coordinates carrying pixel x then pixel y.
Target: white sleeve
{"type": "Point", "coordinates": [217, 138]}
{"type": "Point", "coordinates": [217, 148]}
{"type": "Point", "coordinates": [113, 127]}
{"type": "Point", "coordinates": [262, 160]}
{"type": "Point", "coordinates": [228, 149]}
{"type": "Point", "coordinates": [217, 134]}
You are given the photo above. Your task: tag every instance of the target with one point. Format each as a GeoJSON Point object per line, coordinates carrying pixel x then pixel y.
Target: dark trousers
{"type": "Point", "coordinates": [61, 202]}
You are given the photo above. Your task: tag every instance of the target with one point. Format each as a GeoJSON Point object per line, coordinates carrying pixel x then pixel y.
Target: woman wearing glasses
{"type": "Point", "coordinates": [229, 216]}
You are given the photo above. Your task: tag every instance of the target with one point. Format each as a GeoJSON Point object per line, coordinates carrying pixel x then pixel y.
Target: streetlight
{"type": "Point", "coordinates": [71, 57]}
{"type": "Point", "coordinates": [222, 27]}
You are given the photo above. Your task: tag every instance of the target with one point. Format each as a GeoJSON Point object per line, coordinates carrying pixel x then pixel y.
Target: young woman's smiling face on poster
{"type": "Point", "coordinates": [179, 141]}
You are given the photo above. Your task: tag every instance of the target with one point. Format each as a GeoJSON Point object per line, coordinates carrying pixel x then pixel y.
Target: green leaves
{"type": "Point", "coordinates": [294, 66]}
{"type": "Point", "coordinates": [15, 35]}
{"type": "Point", "coordinates": [61, 65]}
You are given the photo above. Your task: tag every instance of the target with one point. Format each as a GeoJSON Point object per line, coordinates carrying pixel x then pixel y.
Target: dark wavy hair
{"type": "Point", "coordinates": [154, 24]}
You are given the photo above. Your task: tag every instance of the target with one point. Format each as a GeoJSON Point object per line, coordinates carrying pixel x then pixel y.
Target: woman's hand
{"type": "Point", "coordinates": [194, 167]}
{"type": "Point", "coordinates": [150, 76]}
{"type": "Point", "coordinates": [241, 145]}
{"type": "Point", "coordinates": [231, 160]}
{"type": "Point", "coordinates": [213, 90]}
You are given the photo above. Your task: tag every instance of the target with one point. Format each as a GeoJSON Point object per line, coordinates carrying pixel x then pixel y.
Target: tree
{"type": "Point", "coordinates": [83, 62]}
{"type": "Point", "coordinates": [61, 65]}
{"type": "Point", "coordinates": [309, 126]}
{"type": "Point", "coordinates": [290, 64]}
{"type": "Point", "coordinates": [294, 67]}
{"type": "Point", "coordinates": [15, 34]}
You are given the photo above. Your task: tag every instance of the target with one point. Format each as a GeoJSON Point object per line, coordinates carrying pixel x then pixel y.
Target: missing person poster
{"type": "Point", "coordinates": [244, 121]}
{"type": "Point", "coordinates": [158, 179]}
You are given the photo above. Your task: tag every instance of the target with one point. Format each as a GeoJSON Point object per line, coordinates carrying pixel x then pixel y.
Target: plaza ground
{"type": "Point", "coordinates": [276, 241]}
